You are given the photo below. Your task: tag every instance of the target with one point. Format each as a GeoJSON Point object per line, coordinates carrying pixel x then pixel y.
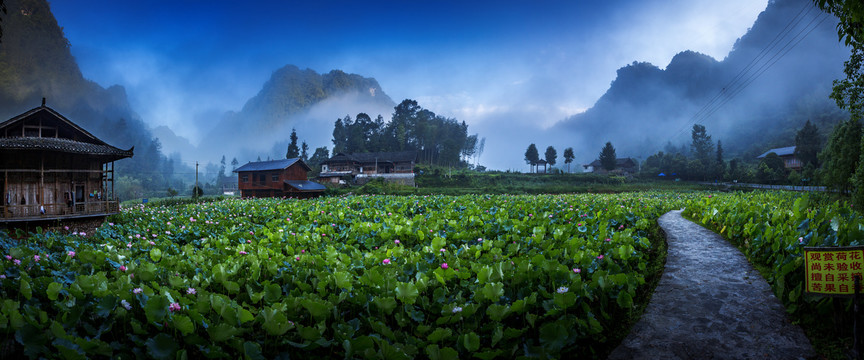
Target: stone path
{"type": "Point", "coordinates": [711, 304]}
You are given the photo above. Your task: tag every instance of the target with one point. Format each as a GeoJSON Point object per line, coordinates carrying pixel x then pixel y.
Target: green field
{"type": "Point", "coordinates": [393, 277]}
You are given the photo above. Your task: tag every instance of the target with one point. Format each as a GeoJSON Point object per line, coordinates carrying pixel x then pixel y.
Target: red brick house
{"type": "Point", "coordinates": [277, 178]}
{"type": "Point", "coordinates": [52, 169]}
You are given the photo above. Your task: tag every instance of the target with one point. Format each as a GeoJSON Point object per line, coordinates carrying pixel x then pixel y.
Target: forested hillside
{"type": "Point", "coordinates": [36, 62]}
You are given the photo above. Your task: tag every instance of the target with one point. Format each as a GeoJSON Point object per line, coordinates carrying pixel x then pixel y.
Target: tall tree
{"type": "Point", "coordinates": [841, 155]}
{"type": "Point", "coordinates": [340, 137]}
{"type": "Point", "coordinates": [319, 156]}
{"type": "Point", "coordinates": [551, 156]}
{"type": "Point", "coordinates": [304, 151]}
{"type": "Point", "coordinates": [568, 157]}
{"type": "Point", "coordinates": [808, 143]}
{"type": "Point", "coordinates": [702, 148]}
{"type": "Point", "coordinates": [719, 163]}
{"type": "Point", "coordinates": [293, 150]}
{"type": "Point", "coordinates": [220, 178]}
{"type": "Point", "coordinates": [532, 156]}
{"type": "Point", "coordinates": [608, 159]}
{"type": "Point", "coordinates": [234, 164]}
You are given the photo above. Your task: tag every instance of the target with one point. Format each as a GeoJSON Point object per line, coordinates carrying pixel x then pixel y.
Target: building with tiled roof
{"type": "Point", "coordinates": [54, 169]}
{"type": "Point", "coordinates": [277, 178]}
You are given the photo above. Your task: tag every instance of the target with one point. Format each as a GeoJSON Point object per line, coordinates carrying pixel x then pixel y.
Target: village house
{"type": "Point", "coordinates": [55, 170]}
{"type": "Point", "coordinates": [397, 167]}
{"type": "Point", "coordinates": [787, 154]}
{"type": "Point", "coordinates": [625, 165]}
{"type": "Point", "coordinates": [277, 178]}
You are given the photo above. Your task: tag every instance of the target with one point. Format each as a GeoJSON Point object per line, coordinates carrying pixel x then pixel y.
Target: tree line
{"type": "Point", "coordinates": [438, 140]}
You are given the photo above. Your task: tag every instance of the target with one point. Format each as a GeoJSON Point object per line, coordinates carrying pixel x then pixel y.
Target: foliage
{"type": "Point", "coordinates": [772, 229]}
{"type": "Point", "coordinates": [808, 143]}
{"type": "Point", "coordinates": [551, 155]}
{"type": "Point", "coordinates": [437, 139]}
{"type": "Point", "coordinates": [293, 150]}
{"type": "Point", "coordinates": [197, 191]}
{"type": "Point", "coordinates": [702, 147]}
{"type": "Point", "coordinates": [352, 277]}
{"type": "Point", "coordinates": [608, 159]}
{"type": "Point", "coordinates": [849, 92]}
{"type": "Point", "coordinates": [532, 156]}
{"type": "Point", "coordinates": [841, 155]}
{"type": "Point", "coordinates": [771, 169]}
{"type": "Point", "coordinates": [568, 157]}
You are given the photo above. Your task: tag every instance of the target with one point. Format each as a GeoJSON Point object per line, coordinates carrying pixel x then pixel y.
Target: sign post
{"type": "Point", "coordinates": [836, 272]}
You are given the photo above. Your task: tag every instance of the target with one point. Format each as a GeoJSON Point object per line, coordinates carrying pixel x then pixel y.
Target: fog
{"type": "Point", "coordinates": [512, 73]}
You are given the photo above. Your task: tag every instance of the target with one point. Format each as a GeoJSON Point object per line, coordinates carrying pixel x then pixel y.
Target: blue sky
{"type": "Point", "coordinates": [496, 65]}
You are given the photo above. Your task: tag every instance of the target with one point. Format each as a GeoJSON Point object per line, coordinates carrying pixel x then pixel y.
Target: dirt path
{"type": "Point", "coordinates": [711, 304]}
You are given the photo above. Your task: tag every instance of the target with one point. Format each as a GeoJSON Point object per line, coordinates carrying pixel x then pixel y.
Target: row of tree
{"type": "Point", "coordinates": [438, 140]}
{"type": "Point", "coordinates": [550, 157]}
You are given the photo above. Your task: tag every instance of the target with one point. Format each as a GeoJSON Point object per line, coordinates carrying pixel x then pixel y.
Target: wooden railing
{"type": "Point", "coordinates": [59, 210]}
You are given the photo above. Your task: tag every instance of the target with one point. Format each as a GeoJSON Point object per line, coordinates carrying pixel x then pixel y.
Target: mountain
{"type": "Point", "coordinates": [294, 98]}
{"type": "Point", "coordinates": [36, 63]}
{"type": "Point", "coordinates": [646, 107]}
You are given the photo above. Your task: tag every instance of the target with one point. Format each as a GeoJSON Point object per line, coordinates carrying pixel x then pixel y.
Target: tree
{"type": "Point", "coordinates": [702, 147]}
{"type": "Point", "coordinates": [293, 150]}
{"type": "Point", "coordinates": [841, 155]}
{"type": "Point", "coordinates": [304, 151]}
{"type": "Point", "coordinates": [220, 178]}
{"type": "Point", "coordinates": [234, 164]}
{"type": "Point", "coordinates": [719, 164]}
{"type": "Point", "coordinates": [849, 92]}
{"type": "Point", "coordinates": [532, 156]}
{"type": "Point", "coordinates": [320, 155]}
{"type": "Point", "coordinates": [771, 169]}
{"type": "Point", "coordinates": [551, 155]}
{"type": "Point", "coordinates": [808, 144]}
{"type": "Point", "coordinates": [568, 157]}
{"type": "Point", "coordinates": [608, 160]}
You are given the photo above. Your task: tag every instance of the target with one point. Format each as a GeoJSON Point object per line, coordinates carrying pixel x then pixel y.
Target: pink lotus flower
{"type": "Point", "coordinates": [444, 265]}
{"type": "Point", "coordinates": [37, 258]}
{"type": "Point", "coordinates": [174, 307]}
{"type": "Point", "coordinates": [386, 261]}
{"type": "Point", "coordinates": [152, 243]}
{"type": "Point", "coordinates": [122, 267]}
{"type": "Point", "coordinates": [71, 254]}
{"type": "Point", "coordinates": [296, 258]}
{"type": "Point", "coordinates": [600, 256]}
{"type": "Point", "coordinates": [248, 241]}
{"type": "Point", "coordinates": [243, 252]}
{"type": "Point", "coordinates": [577, 270]}
{"type": "Point", "coordinates": [8, 257]}
{"type": "Point", "coordinates": [2, 276]}
{"type": "Point", "coordinates": [16, 261]}
{"type": "Point", "coordinates": [129, 245]}
{"type": "Point", "coordinates": [191, 291]}
{"type": "Point", "coordinates": [65, 228]}
{"type": "Point", "coordinates": [397, 242]}
{"type": "Point", "coordinates": [137, 290]}
{"type": "Point", "coordinates": [126, 304]}
{"type": "Point", "coordinates": [608, 239]}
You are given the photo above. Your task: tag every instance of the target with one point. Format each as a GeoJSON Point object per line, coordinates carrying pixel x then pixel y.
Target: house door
{"type": "Point", "coordinates": [79, 193]}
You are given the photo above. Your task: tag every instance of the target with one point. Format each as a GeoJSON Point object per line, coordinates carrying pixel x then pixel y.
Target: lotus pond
{"type": "Point", "coordinates": [384, 277]}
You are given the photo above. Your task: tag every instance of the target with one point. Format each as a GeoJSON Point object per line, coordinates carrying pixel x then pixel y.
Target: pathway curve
{"type": "Point", "coordinates": [711, 304]}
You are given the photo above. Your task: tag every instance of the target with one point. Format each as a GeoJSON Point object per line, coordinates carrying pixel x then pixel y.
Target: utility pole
{"type": "Point", "coordinates": [195, 190]}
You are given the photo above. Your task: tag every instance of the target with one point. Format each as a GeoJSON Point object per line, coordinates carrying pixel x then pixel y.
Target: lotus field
{"type": "Point", "coordinates": [772, 229]}
{"type": "Point", "coordinates": [350, 277]}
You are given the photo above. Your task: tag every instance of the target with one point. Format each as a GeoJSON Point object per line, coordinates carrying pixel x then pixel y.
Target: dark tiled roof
{"type": "Point", "coordinates": [784, 151]}
{"type": "Point", "coordinates": [305, 185]}
{"type": "Point", "coordinates": [271, 165]}
{"type": "Point", "coordinates": [51, 113]}
{"type": "Point", "coordinates": [63, 145]}
{"type": "Point", "coordinates": [393, 156]}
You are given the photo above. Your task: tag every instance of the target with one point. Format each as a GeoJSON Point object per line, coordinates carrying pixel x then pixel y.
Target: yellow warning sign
{"type": "Point", "coordinates": [832, 271]}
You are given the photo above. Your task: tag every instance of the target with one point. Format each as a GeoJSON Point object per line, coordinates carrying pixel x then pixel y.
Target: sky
{"type": "Point", "coordinates": [503, 67]}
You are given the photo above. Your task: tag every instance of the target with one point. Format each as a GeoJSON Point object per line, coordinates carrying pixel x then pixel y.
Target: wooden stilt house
{"type": "Point", "coordinates": [50, 168]}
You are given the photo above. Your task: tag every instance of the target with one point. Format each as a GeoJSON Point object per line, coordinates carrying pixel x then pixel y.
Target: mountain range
{"type": "Point", "coordinates": [777, 76]}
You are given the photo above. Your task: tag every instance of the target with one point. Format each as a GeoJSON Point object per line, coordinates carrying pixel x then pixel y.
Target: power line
{"type": "Point", "coordinates": [747, 75]}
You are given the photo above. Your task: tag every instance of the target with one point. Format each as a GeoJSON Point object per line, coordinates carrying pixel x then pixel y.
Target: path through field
{"type": "Point", "coordinates": [711, 304]}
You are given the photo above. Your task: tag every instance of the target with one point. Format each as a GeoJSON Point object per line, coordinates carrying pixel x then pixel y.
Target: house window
{"type": "Point", "coordinates": [245, 178]}
{"type": "Point", "coordinates": [275, 177]}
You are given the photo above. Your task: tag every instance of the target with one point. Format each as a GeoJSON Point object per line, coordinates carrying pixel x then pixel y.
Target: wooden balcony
{"type": "Point", "coordinates": [16, 213]}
